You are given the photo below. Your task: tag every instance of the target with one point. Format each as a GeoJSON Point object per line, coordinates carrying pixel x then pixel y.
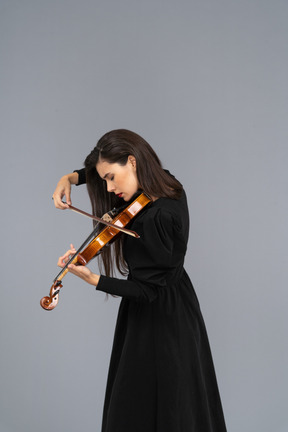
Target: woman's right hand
{"type": "Point", "coordinates": [63, 189]}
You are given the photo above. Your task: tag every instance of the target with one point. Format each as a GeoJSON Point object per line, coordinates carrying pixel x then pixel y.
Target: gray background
{"type": "Point", "coordinates": [205, 83]}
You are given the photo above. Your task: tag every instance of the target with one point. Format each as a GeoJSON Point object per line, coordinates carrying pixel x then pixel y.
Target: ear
{"type": "Point", "coordinates": [132, 161]}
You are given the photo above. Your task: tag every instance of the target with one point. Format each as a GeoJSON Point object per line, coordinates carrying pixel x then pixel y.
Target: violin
{"type": "Point", "coordinates": [95, 244]}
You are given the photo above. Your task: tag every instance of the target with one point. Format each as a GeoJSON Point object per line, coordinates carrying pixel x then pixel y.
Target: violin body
{"type": "Point", "coordinates": [105, 237]}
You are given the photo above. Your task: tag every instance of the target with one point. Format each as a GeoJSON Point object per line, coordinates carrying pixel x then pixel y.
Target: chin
{"type": "Point", "coordinates": [127, 197]}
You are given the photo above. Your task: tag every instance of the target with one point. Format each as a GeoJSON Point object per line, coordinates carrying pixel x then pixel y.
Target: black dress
{"type": "Point", "coordinates": [161, 376]}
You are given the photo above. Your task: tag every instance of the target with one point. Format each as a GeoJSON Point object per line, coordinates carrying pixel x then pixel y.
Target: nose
{"type": "Point", "coordinates": [110, 186]}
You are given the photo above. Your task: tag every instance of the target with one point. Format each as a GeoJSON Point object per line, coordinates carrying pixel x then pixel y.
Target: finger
{"type": "Point", "coordinates": [76, 270]}
{"type": "Point", "coordinates": [68, 196]}
{"type": "Point", "coordinates": [62, 260]}
{"type": "Point", "coordinates": [59, 203]}
{"type": "Point", "coordinates": [62, 205]}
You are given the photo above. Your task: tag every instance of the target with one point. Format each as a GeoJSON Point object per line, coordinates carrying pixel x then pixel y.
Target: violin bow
{"type": "Point", "coordinates": [102, 221]}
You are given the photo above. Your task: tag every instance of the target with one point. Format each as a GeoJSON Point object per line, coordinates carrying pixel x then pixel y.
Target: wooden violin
{"type": "Point", "coordinates": [96, 243]}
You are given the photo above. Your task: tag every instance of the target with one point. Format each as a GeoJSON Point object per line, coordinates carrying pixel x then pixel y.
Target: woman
{"type": "Point", "coordinates": [161, 376]}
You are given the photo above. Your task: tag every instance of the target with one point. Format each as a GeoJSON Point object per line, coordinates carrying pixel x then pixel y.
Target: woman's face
{"type": "Point", "coordinates": [120, 179]}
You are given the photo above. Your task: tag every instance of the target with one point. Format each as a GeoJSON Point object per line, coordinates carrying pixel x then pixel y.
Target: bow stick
{"type": "Point", "coordinates": [126, 231]}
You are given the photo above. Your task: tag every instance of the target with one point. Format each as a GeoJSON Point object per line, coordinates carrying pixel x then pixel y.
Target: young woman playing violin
{"type": "Point", "coordinates": [161, 376]}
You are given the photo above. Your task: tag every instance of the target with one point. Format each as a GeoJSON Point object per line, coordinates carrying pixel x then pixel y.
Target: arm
{"type": "Point", "coordinates": [153, 268]}
{"type": "Point", "coordinates": [148, 279]}
{"type": "Point", "coordinates": [114, 286]}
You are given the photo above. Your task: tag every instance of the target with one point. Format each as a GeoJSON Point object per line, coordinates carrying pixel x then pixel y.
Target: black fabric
{"type": "Point", "coordinates": [82, 176]}
{"type": "Point", "coordinates": [161, 376]}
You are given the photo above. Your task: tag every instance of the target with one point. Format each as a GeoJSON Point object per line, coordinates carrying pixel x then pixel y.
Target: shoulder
{"type": "Point", "coordinates": [162, 223]}
{"type": "Point", "coordinates": [166, 211]}
{"type": "Point", "coordinates": [172, 207]}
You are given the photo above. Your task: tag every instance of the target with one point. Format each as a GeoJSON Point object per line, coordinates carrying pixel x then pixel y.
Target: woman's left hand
{"type": "Point", "coordinates": [78, 270]}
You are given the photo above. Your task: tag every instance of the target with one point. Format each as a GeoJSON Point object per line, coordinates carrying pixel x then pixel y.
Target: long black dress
{"type": "Point", "coordinates": [161, 376]}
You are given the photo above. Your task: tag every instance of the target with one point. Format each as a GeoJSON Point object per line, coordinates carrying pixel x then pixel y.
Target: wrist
{"type": "Point", "coordinates": [73, 178]}
{"type": "Point", "coordinates": [94, 279]}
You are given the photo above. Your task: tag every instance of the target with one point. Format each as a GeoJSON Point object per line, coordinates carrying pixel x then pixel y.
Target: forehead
{"type": "Point", "coordinates": [103, 168]}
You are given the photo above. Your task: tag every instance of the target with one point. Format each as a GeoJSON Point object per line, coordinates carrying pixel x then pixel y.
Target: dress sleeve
{"type": "Point", "coordinates": [82, 176]}
{"type": "Point", "coordinates": [152, 265]}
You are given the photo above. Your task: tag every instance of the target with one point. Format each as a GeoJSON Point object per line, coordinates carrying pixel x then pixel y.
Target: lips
{"type": "Point", "coordinates": [120, 195]}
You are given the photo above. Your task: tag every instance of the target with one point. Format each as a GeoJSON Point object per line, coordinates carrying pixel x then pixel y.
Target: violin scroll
{"type": "Point", "coordinates": [51, 301]}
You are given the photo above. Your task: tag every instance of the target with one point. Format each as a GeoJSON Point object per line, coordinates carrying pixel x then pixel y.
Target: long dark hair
{"type": "Point", "coordinates": [115, 147]}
